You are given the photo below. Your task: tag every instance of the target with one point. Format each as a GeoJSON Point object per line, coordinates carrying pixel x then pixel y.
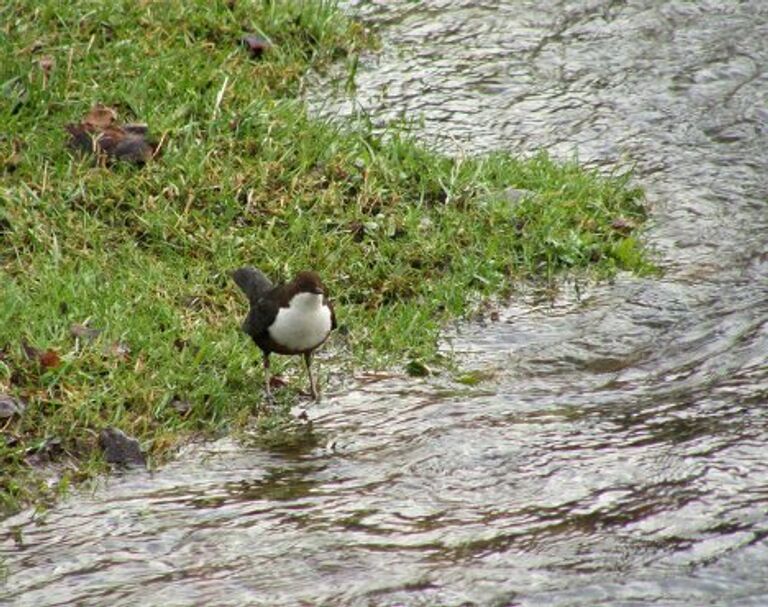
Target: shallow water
{"type": "Point", "coordinates": [615, 453]}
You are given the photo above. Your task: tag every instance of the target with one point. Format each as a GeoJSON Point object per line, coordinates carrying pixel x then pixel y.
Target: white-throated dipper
{"type": "Point", "coordinates": [291, 318]}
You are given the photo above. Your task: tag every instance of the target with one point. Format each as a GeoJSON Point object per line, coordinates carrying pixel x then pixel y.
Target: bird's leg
{"type": "Point", "coordinates": [267, 389]}
{"type": "Point", "coordinates": [312, 387]}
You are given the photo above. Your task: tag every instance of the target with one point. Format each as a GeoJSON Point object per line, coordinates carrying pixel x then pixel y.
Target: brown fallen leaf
{"type": "Point", "coordinates": [112, 143]}
{"type": "Point", "coordinates": [99, 118]}
{"type": "Point", "coordinates": [48, 359]}
{"type": "Point", "coordinates": [119, 350]}
{"type": "Point", "coordinates": [46, 64]}
{"type": "Point", "coordinates": [125, 145]}
{"type": "Point", "coordinates": [79, 138]}
{"type": "Point", "coordinates": [100, 134]}
{"type": "Point", "coordinates": [256, 45]}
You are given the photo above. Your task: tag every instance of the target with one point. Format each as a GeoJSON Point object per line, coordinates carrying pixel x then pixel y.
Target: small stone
{"type": "Point", "coordinates": [120, 448]}
{"type": "Point", "coordinates": [10, 406]}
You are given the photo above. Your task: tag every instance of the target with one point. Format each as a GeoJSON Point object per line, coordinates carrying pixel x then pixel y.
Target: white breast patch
{"type": "Point", "coordinates": [304, 324]}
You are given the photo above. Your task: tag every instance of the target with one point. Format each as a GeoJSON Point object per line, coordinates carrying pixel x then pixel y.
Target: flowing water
{"type": "Point", "coordinates": [616, 453]}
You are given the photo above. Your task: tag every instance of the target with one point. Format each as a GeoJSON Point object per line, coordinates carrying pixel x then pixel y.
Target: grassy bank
{"type": "Point", "coordinates": [116, 307]}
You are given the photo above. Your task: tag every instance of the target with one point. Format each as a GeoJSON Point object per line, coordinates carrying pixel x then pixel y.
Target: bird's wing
{"type": "Point", "coordinates": [260, 316]}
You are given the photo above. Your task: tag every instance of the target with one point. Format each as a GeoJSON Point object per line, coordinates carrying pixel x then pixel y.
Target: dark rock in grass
{"type": "Point", "coordinates": [256, 45]}
{"type": "Point", "coordinates": [10, 406]}
{"type": "Point", "coordinates": [120, 448]}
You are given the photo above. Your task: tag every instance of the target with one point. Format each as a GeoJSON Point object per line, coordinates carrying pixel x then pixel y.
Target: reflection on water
{"type": "Point", "coordinates": [614, 453]}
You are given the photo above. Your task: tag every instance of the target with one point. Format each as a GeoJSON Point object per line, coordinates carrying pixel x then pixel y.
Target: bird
{"type": "Point", "coordinates": [289, 318]}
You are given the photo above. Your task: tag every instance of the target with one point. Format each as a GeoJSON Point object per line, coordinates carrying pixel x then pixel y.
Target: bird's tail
{"type": "Point", "coordinates": [252, 282]}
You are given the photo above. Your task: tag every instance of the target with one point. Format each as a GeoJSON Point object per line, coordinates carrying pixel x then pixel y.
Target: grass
{"type": "Point", "coordinates": [404, 238]}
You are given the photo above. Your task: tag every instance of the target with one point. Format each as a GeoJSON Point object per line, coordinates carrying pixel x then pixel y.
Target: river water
{"type": "Point", "coordinates": [615, 454]}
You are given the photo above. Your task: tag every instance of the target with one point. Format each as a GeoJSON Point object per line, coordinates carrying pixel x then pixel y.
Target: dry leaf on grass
{"type": "Point", "coordinates": [48, 359]}
{"type": "Point", "coordinates": [118, 350]}
{"type": "Point", "coordinates": [99, 117]}
{"type": "Point", "coordinates": [256, 45]}
{"type": "Point", "coordinates": [101, 134]}
{"type": "Point", "coordinates": [46, 65]}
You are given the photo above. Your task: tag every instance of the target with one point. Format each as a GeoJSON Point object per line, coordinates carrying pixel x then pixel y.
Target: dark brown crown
{"type": "Point", "coordinates": [307, 282]}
